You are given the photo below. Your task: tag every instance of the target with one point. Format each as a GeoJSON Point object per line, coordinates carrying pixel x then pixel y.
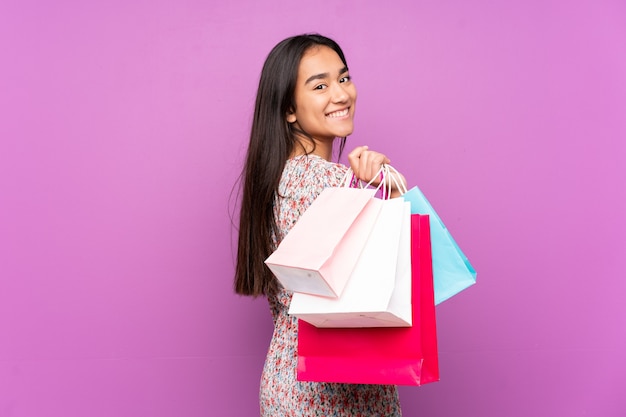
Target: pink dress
{"type": "Point", "coordinates": [281, 395]}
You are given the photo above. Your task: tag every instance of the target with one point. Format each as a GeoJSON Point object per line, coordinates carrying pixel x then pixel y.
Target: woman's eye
{"type": "Point", "coordinates": [320, 87]}
{"type": "Point", "coordinates": [345, 79]}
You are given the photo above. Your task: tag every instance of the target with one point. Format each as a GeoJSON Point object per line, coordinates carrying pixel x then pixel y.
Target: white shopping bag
{"type": "Point", "coordinates": [320, 251]}
{"type": "Point", "coordinates": [378, 293]}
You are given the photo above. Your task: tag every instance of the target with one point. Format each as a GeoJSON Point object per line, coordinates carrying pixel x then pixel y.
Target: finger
{"type": "Point", "coordinates": [354, 158]}
{"type": "Point", "coordinates": [355, 154]}
{"type": "Point", "coordinates": [370, 165]}
{"type": "Point", "coordinates": [372, 162]}
{"type": "Point", "coordinates": [357, 151]}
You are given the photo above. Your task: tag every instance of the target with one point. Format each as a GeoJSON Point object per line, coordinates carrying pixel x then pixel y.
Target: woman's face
{"type": "Point", "coordinates": [325, 96]}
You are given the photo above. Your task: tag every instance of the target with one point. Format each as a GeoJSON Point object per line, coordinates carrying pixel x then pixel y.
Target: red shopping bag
{"type": "Point", "coordinates": [397, 356]}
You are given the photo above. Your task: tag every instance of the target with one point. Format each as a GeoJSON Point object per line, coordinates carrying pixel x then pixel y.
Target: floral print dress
{"type": "Point", "coordinates": [281, 394]}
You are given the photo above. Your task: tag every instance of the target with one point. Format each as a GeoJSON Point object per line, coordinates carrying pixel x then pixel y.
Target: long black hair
{"type": "Point", "coordinates": [272, 141]}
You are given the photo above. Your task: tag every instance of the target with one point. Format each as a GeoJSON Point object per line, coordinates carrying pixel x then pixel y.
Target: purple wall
{"type": "Point", "coordinates": [123, 126]}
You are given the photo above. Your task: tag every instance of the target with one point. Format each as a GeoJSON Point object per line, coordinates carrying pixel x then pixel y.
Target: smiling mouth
{"type": "Point", "coordinates": [338, 113]}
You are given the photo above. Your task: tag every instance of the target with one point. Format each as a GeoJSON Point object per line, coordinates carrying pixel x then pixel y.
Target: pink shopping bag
{"type": "Point", "coordinates": [400, 355]}
{"type": "Point", "coordinates": [319, 253]}
{"type": "Point", "coordinates": [378, 292]}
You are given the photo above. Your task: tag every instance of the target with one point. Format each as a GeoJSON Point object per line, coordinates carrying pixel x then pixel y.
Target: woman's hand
{"type": "Point", "coordinates": [366, 165]}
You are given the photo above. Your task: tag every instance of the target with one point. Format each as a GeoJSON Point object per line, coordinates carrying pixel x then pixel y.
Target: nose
{"type": "Point", "coordinates": [339, 95]}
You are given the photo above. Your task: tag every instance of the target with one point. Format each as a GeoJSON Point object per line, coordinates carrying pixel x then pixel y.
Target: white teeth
{"type": "Point", "coordinates": [339, 113]}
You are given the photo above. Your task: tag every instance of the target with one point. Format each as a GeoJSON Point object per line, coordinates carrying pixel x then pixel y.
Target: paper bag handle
{"type": "Point", "coordinates": [350, 180]}
{"type": "Point", "coordinates": [400, 186]}
{"type": "Point", "coordinates": [388, 177]}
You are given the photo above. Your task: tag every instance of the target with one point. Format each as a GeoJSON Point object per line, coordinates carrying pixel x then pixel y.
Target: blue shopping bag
{"type": "Point", "coordinates": [452, 271]}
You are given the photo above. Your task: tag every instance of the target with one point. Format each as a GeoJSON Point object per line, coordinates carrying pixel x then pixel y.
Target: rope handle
{"type": "Point", "coordinates": [394, 175]}
{"type": "Point", "coordinates": [388, 177]}
{"type": "Point", "coordinates": [351, 181]}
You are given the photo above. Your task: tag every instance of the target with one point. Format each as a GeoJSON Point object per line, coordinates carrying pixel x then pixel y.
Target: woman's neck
{"type": "Point", "coordinates": [308, 146]}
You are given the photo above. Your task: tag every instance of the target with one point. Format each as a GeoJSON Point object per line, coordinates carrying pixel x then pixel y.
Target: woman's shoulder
{"type": "Point", "coordinates": [305, 176]}
{"type": "Point", "coordinates": [303, 179]}
{"type": "Point", "coordinates": [305, 169]}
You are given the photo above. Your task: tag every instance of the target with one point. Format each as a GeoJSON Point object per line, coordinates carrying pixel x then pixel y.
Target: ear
{"type": "Point", "coordinates": [291, 117]}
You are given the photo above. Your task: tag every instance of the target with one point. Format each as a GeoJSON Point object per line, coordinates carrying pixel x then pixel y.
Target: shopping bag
{"type": "Point", "coordinates": [382, 355]}
{"type": "Point", "coordinates": [452, 270]}
{"type": "Point", "coordinates": [378, 292]}
{"type": "Point", "coordinates": [320, 251]}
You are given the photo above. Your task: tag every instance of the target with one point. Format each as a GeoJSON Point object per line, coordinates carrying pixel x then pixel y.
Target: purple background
{"type": "Point", "coordinates": [123, 128]}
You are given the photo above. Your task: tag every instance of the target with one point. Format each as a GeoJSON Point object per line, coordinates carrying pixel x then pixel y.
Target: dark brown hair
{"type": "Point", "coordinates": [272, 141]}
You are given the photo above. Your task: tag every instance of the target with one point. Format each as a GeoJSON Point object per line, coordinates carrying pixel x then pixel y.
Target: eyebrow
{"type": "Point", "coordinates": [324, 75]}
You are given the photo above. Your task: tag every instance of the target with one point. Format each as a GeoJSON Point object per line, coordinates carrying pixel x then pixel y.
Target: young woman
{"type": "Point", "coordinates": [306, 100]}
